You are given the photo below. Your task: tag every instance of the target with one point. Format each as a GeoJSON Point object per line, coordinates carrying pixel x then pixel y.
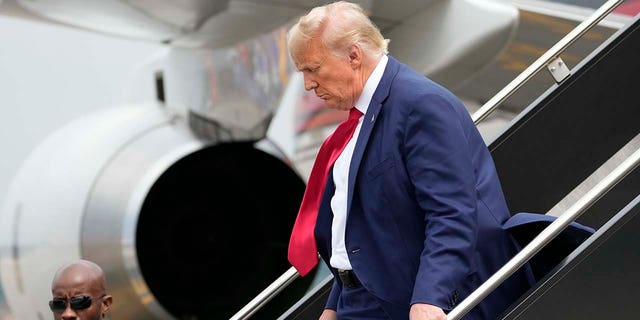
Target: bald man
{"type": "Point", "coordinates": [79, 292]}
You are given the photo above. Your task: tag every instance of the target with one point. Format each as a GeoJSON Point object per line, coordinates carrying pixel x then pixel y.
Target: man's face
{"type": "Point", "coordinates": [334, 79]}
{"type": "Point", "coordinates": [69, 287]}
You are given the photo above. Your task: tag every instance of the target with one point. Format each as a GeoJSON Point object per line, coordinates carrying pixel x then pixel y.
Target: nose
{"type": "Point", "coordinates": [309, 82]}
{"type": "Point", "coordinates": [69, 314]}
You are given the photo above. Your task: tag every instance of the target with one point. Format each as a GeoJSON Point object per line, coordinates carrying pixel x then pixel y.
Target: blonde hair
{"type": "Point", "coordinates": [339, 25]}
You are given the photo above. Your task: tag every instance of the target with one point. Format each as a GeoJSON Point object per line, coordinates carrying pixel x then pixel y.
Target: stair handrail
{"type": "Point", "coordinates": [266, 295]}
{"type": "Point", "coordinates": [286, 278]}
{"type": "Point", "coordinates": [541, 62]}
{"type": "Point", "coordinates": [548, 234]}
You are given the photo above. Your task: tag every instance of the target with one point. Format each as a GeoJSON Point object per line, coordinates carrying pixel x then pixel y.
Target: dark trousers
{"type": "Point", "coordinates": [359, 304]}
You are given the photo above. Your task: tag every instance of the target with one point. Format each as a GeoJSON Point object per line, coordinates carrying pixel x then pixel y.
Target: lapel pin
{"type": "Point", "coordinates": [373, 118]}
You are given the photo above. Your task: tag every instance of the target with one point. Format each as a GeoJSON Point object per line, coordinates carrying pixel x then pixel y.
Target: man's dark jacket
{"type": "Point", "coordinates": [425, 207]}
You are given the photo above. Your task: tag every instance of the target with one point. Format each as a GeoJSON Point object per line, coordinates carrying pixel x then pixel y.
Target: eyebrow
{"type": "Point", "coordinates": [308, 66]}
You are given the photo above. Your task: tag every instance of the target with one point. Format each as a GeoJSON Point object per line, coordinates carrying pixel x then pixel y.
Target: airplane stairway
{"type": "Point", "coordinates": [572, 129]}
{"type": "Point", "coordinates": [554, 145]}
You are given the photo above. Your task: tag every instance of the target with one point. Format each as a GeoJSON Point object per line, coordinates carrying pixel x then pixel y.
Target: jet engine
{"type": "Point", "coordinates": [183, 228]}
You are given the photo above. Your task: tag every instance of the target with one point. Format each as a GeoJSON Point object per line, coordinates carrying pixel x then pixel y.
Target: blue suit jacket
{"type": "Point", "coordinates": [425, 207]}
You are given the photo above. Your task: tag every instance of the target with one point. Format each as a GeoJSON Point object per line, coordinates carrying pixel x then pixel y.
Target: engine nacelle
{"type": "Point", "coordinates": [182, 228]}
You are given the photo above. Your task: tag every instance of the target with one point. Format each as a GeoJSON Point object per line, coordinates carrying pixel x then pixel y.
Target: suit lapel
{"type": "Point", "coordinates": [369, 121]}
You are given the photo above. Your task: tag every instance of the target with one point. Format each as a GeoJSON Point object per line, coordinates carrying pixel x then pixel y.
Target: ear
{"type": "Point", "coordinates": [355, 56]}
{"type": "Point", "coordinates": [106, 304]}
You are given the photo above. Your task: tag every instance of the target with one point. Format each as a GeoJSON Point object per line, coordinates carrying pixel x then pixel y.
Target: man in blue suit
{"type": "Point", "coordinates": [409, 221]}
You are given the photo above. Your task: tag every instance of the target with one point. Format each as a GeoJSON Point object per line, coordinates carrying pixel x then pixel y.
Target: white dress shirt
{"type": "Point", "coordinates": [339, 258]}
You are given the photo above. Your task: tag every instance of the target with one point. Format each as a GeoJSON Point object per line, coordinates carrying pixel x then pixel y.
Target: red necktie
{"type": "Point", "coordinates": [303, 253]}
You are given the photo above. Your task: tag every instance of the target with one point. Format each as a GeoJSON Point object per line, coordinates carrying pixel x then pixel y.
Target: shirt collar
{"type": "Point", "coordinates": [371, 85]}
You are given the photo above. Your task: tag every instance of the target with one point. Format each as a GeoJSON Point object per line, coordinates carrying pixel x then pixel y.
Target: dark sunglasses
{"type": "Point", "coordinates": [76, 303]}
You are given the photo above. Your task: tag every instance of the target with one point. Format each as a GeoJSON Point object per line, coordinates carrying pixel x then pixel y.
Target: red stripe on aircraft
{"type": "Point", "coordinates": [629, 8]}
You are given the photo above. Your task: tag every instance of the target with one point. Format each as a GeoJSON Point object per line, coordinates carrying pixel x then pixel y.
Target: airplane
{"type": "Point", "coordinates": [153, 188]}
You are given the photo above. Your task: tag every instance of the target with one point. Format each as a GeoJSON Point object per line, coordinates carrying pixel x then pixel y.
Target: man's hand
{"type": "Point", "coordinates": [423, 311]}
{"type": "Point", "coordinates": [329, 314]}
